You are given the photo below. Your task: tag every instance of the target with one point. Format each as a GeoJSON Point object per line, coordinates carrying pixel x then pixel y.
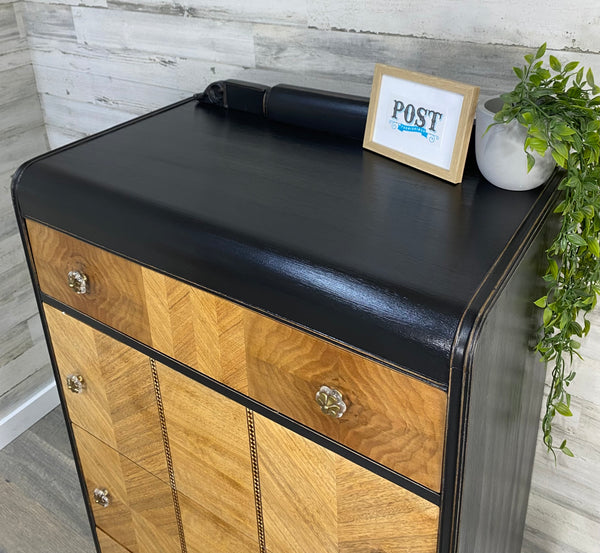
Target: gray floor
{"type": "Point", "coordinates": [41, 507]}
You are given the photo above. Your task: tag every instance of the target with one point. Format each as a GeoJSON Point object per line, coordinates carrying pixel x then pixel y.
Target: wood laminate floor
{"type": "Point", "coordinates": [41, 507]}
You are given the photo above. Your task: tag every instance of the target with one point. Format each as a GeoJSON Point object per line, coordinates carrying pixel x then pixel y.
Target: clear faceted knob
{"type": "Point", "coordinates": [75, 383]}
{"type": "Point", "coordinates": [101, 497]}
{"type": "Point", "coordinates": [331, 402]}
{"type": "Point", "coordinates": [78, 282]}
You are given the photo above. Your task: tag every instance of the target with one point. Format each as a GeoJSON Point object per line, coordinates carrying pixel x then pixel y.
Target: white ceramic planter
{"type": "Point", "coordinates": [500, 155]}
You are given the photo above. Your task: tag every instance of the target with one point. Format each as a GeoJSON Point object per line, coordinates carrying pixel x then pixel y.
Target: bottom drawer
{"type": "Point", "coordinates": [129, 504]}
{"type": "Point", "coordinates": [107, 544]}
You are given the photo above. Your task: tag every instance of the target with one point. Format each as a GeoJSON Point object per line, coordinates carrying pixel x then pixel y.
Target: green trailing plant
{"type": "Point", "coordinates": [560, 107]}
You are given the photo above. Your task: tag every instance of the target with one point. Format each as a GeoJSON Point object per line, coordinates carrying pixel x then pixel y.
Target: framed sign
{"type": "Point", "coordinates": [420, 120]}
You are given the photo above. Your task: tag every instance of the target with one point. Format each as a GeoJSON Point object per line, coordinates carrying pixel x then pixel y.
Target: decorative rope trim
{"type": "Point", "coordinates": [165, 437]}
{"type": "Point", "coordinates": [256, 482]}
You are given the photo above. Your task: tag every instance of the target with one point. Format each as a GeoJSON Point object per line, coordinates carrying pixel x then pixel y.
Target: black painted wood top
{"type": "Point", "coordinates": [304, 225]}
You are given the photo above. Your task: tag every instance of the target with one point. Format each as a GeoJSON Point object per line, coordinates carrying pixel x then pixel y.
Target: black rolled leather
{"type": "Point", "coordinates": [339, 114]}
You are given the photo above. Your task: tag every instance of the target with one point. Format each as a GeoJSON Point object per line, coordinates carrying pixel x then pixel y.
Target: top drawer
{"type": "Point", "coordinates": [113, 291]}
{"type": "Point", "coordinates": [395, 419]}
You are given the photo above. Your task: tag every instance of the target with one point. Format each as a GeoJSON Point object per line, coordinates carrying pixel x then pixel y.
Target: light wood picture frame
{"type": "Point", "coordinates": [421, 120]}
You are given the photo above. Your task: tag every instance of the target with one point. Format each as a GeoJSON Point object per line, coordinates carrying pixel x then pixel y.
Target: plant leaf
{"type": "Point", "coordinates": [560, 207]}
{"type": "Point", "coordinates": [589, 77]}
{"type": "Point", "coordinates": [541, 51]}
{"type": "Point", "coordinates": [527, 117]}
{"type": "Point", "coordinates": [565, 130]}
{"type": "Point", "coordinates": [567, 451]}
{"type": "Point", "coordinates": [562, 149]}
{"type": "Point", "coordinates": [576, 239]}
{"type": "Point", "coordinates": [588, 211]}
{"type": "Point", "coordinates": [571, 66]}
{"type": "Point", "coordinates": [594, 246]}
{"type": "Point", "coordinates": [560, 160]}
{"type": "Point", "coordinates": [530, 162]}
{"type": "Point", "coordinates": [518, 72]}
{"type": "Point", "coordinates": [554, 63]}
{"type": "Point", "coordinates": [541, 302]}
{"type": "Point", "coordinates": [563, 409]}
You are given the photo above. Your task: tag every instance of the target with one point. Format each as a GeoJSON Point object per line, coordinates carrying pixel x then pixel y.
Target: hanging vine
{"type": "Point", "coordinates": [560, 107]}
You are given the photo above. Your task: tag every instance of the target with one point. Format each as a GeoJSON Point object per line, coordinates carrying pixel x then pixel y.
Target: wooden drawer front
{"type": "Point", "coordinates": [117, 403]}
{"type": "Point", "coordinates": [315, 500]}
{"type": "Point", "coordinates": [197, 328]}
{"type": "Point", "coordinates": [392, 418]}
{"type": "Point", "coordinates": [208, 438]}
{"type": "Point", "coordinates": [107, 544]}
{"type": "Point", "coordinates": [115, 293]}
{"type": "Point", "coordinates": [140, 515]}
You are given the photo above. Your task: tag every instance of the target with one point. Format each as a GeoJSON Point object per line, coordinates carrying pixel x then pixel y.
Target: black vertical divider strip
{"type": "Point", "coordinates": [165, 437]}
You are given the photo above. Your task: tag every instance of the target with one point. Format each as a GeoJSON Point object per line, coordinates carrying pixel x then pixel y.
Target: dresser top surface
{"type": "Point", "coordinates": [303, 225]}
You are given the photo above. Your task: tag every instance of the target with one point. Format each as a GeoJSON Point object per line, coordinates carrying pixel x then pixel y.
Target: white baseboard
{"type": "Point", "coordinates": [28, 413]}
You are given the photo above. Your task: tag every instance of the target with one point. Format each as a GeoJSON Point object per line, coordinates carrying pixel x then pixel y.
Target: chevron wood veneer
{"type": "Point", "coordinates": [117, 404]}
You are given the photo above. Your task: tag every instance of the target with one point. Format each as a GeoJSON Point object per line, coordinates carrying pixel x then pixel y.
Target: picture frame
{"type": "Point", "coordinates": [421, 120]}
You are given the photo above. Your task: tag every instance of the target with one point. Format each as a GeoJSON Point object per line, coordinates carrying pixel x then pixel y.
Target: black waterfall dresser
{"type": "Point", "coordinates": [267, 339]}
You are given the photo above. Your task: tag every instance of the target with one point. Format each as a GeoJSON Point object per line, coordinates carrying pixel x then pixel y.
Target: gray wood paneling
{"type": "Point", "coordinates": [22, 114]}
{"type": "Point", "coordinates": [123, 95]}
{"type": "Point", "coordinates": [282, 12]}
{"type": "Point", "coordinates": [24, 368]}
{"type": "Point", "coordinates": [49, 20]}
{"type": "Point", "coordinates": [211, 40]}
{"type": "Point", "coordinates": [8, 23]}
{"type": "Point", "coordinates": [81, 117]}
{"type": "Point", "coordinates": [132, 65]}
{"type": "Point", "coordinates": [16, 83]}
{"type": "Point", "coordinates": [491, 22]}
{"type": "Point", "coordinates": [16, 148]}
{"type": "Point", "coordinates": [352, 56]}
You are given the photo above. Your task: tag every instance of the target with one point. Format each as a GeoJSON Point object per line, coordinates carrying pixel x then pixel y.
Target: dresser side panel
{"type": "Point", "coordinates": [506, 388]}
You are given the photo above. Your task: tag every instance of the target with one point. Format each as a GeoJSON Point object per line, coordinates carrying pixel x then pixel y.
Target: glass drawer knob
{"type": "Point", "coordinates": [331, 402]}
{"type": "Point", "coordinates": [75, 383]}
{"type": "Point", "coordinates": [101, 497]}
{"type": "Point", "coordinates": [78, 282]}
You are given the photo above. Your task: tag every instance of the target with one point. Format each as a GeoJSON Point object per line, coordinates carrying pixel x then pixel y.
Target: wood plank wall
{"type": "Point", "coordinates": [24, 368]}
{"type": "Point", "coordinates": [100, 62]}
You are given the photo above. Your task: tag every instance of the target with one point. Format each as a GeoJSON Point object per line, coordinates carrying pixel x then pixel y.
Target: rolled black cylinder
{"type": "Point", "coordinates": [339, 114]}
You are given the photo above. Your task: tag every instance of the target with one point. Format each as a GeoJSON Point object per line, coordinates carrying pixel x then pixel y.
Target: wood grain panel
{"type": "Point", "coordinates": [210, 39]}
{"type": "Point", "coordinates": [115, 294]}
{"type": "Point", "coordinates": [205, 531]}
{"type": "Point", "coordinates": [107, 544]}
{"type": "Point", "coordinates": [196, 328]}
{"type": "Point", "coordinates": [315, 500]}
{"type": "Point", "coordinates": [391, 417]}
{"type": "Point", "coordinates": [140, 515]}
{"type": "Point", "coordinates": [208, 438]}
{"type": "Point", "coordinates": [118, 403]}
